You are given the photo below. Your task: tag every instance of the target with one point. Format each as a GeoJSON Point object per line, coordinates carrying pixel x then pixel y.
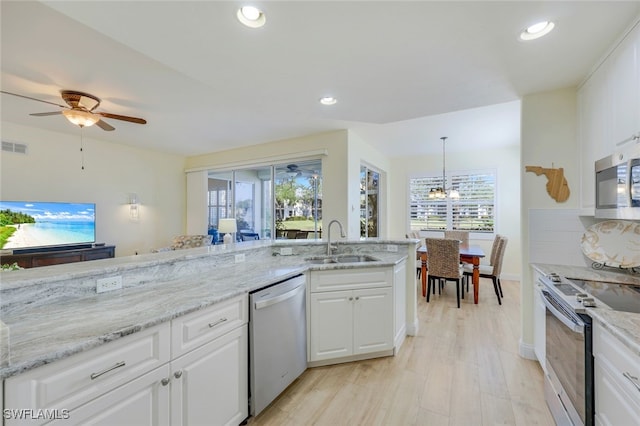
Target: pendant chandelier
{"type": "Point", "coordinates": [442, 192]}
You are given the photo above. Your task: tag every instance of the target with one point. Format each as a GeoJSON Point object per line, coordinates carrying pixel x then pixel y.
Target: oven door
{"type": "Point", "coordinates": [565, 361]}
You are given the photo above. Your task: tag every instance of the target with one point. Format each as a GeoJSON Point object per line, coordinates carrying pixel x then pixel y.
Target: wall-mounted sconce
{"type": "Point", "coordinates": [134, 206]}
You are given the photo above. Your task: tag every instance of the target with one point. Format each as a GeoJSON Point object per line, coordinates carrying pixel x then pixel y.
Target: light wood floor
{"type": "Point", "coordinates": [462, 368]}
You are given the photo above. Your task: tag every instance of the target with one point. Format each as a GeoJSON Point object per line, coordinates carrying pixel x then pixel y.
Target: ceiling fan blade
{"type": "Point", "coordinates": [43, 114]}
{"type": "Point", "coordinates": [122, 117]}
{"type": "Point", "coordinates": [33, 99]}
{"type": "Point", "coordinates": [105, 126]}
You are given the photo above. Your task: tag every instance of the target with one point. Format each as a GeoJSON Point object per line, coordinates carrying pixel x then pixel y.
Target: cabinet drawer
{"type": "Point", "coordinates": [75, 380]}
{"type": "Point", "coordinates": [197, 328]}
{"type": "Point", "coordinates": [613, 405]}
{"type": "Point", "coordinates": [615, 357]}
{"type": "Point", "coordinates": [341, 279]}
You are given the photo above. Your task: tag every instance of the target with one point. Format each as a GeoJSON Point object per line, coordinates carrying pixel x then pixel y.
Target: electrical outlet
{"type": "Point", "coordinates": [239, 257]}
{"type": "Point", "coordinates": [286, 251]}
{"type": "Point", "coordinates": [392, 247]}
{"type": "Point", "coordinates": [108, 284]}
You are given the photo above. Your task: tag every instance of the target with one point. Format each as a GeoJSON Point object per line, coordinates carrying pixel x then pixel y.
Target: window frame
{"type": "Point", "coordinates": [451, 176]}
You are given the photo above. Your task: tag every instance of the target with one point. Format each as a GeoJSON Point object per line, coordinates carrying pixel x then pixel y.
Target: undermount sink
{"type": "Point", "coordinates": [341, 258]}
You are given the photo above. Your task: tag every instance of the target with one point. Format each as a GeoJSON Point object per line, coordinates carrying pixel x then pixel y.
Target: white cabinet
{"type": "Point", "coordinates": [624, 86]}
{"type": "Point", "coordinates": [142, 401]}
{"type": "Point", "coordinates": [609, 111]}
{"type": "Point", "coordinates": [72, 382]}
{"type": "Point", "coordinates": [136, 380]}
{"type": "Point", "coordinates": [209, 384]}
{"type": "Point", "coordinates": [617, 380]}
{"type": "Point", "coordinates": [351, 314]}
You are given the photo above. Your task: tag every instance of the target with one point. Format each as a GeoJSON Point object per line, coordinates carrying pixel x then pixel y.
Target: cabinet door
{"type": "Point", "coordinates": [613, 406]}
{"type": "Point", "coordinates": [331, 325]}
{"type": "Point", "coordinates": [209, 385]}
{"type": "Point", "coordinates": [623, 83]}
{"type": "Point", "coordinates": [595, 144]}
{"type": "Point", "coordinates": [372, 320]}
{"type": "Point", "coordinates": [143, 401]}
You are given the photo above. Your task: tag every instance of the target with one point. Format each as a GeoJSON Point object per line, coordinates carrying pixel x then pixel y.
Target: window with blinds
{"type": "Point", "coordinates": [473, 211]}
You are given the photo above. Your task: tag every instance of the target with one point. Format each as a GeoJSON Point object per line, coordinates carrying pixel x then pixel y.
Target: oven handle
{"type": "Point", "coordinates": [571, 323]}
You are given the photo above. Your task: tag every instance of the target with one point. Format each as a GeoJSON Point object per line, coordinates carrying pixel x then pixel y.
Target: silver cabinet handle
{"type": "Point", "coordinates": [220, 321]}
{"type": "Point", "coordinates": [96, 375]}
{"type": "Point", "coordinates": [177, 374]}
{"type": "Point", "coordinates": [165, 381]}
{"type": "Point", "coordinates": [632, 379]}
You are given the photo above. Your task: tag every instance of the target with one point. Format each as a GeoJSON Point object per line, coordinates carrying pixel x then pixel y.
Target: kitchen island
{"type": "Point", "coordinates": [54, 312]}
{"type": "Point", "coordinates": [177, 328]}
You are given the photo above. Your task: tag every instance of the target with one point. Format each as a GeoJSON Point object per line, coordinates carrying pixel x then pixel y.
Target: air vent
{"type": "Point", "coordinates": [18, 148]}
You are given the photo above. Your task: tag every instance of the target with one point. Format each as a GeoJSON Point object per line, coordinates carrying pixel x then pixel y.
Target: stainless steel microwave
{"type": "Point", "coordinates": [618, 184]}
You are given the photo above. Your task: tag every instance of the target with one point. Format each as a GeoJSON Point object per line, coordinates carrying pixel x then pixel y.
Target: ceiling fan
{"type": "Point", "coordinates": [80, 110]}
{"type": "Point", "coordinates": [293, 171]}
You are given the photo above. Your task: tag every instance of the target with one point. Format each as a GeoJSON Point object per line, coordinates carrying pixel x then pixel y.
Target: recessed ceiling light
{"type": "Point", "coordinates": [537, 30]}
{"type": "Point", "coordinates": [251, 16]}
{"type": "Point", "coordinates": [328, 100]}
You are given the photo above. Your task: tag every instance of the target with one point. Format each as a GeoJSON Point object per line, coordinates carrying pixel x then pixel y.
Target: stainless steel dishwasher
{"type": "Point", "coordinates": [277, 340]}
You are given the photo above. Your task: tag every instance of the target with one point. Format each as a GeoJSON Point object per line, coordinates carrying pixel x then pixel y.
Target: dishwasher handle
{"type": "Point", "coordinates": [279, 298]}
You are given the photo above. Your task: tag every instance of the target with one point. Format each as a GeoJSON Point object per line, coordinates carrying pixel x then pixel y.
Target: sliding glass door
{"type": "Point", "coordinates": [277, 201]}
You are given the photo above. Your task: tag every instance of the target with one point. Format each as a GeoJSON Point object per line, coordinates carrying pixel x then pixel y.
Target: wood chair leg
{"type": "Point", "coordinates": [500, 288]}
{"type": "Point", "coordinates": [458, 292]}
{"type": "Point", "coordinates": [428, 288]}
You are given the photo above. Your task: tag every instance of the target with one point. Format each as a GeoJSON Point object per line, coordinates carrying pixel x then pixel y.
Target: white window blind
{"type": "Point", "coordinates": [473, 211]}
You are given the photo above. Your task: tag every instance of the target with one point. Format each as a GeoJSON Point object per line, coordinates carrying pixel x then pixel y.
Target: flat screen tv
{"type": "Point", "coordinates": [27, 226]}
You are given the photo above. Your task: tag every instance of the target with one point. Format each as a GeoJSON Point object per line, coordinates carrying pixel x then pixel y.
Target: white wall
{"type": "Point", "coordinates": [51, 171]}
{"type": "Point", "coordinates": [549, 129]}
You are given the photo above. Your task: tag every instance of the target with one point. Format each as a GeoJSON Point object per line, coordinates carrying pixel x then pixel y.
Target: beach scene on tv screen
{"type": "Point", "coordinates": [38, 224]}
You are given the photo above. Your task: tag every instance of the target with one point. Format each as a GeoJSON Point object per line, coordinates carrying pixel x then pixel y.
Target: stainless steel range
{"type": "Point", "coordinates": [569, 389]}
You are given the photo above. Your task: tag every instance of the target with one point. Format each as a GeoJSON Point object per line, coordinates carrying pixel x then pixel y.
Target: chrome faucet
{"type": "Point", "coordinates": [329, 246]}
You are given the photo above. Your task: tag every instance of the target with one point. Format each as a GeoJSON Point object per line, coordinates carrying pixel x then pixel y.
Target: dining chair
{"type": "Point", "coordinates": [491, 271]}
{"type": "Point", "coordinates": [444, 264]}
{"type": "Point", "coordinates": [486, 261]}
{"type": "Point", "coordinates": [462, 236]}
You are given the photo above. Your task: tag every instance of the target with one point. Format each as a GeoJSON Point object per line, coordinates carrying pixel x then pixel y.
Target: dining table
{"type": "Point", "coordinates": [468, 254]}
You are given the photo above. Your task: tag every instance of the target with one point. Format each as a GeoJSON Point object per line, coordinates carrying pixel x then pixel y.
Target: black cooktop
{"type": "Point", "coordinates": [620, 297]}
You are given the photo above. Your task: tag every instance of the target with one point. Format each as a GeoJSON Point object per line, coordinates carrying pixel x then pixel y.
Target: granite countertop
{"type": "Point", "coordinates": [624, 325]}
{"type": "Point", "coordinates": [55, 322]}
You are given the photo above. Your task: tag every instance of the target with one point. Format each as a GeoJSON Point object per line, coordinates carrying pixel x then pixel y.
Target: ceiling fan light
{"type": "Point", "coordinates": [81, 118]}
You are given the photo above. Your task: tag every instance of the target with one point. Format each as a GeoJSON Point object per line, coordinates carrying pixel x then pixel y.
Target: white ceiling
{"type": "Point", "coordinates": [206, 83]}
